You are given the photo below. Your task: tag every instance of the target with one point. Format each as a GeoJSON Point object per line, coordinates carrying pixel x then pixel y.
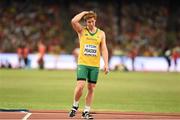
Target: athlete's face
{"type": "Point", "coordinates": [90, 23]}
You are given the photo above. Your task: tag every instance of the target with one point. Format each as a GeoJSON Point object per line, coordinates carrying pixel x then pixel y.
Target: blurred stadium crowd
{"type": "Point", "coordinates": [143, 28]}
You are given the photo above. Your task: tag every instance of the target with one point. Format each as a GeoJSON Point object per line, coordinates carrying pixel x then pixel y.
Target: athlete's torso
{"type": "Point", "coordinates": [89, 48]}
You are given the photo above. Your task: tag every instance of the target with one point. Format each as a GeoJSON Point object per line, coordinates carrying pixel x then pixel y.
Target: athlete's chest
{"type": "Point", "coordinates": [94, 39]}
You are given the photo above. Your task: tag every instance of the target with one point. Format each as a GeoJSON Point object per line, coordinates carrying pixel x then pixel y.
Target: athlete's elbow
{"type": "Point", "coordinates": [73, 21]}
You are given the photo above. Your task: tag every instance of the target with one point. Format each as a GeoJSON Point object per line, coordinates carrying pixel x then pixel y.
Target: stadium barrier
{"type": "Point", "coordinates": [68, 62]}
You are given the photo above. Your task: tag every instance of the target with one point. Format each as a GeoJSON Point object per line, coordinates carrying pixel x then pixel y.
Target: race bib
{"type": "Point", "coordinates": [90, 50]}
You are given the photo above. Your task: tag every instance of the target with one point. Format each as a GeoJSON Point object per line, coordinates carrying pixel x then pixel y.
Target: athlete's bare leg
{"type": "Point", "coordinates": [79, 89]}
{"type": "Point", "coordinates": [90, 94]}
{"type": "Point", "coordinates": [77, 95]}
{"type": "Point", "coordinates": [88, 102]}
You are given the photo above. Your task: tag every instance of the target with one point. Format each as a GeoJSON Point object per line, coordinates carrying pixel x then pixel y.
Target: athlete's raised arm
{"type": "Point", "coordinates": [75, 21]}
{"type": "Point", "coordinates": [104, 52]}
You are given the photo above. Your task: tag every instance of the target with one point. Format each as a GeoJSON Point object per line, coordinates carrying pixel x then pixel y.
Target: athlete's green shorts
{"type": "Point", "coordinates": [87, 72]}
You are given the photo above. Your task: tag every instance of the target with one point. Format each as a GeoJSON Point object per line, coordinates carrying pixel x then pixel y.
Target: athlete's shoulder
{"type": "Point", "coordinates": [84, 30]}
{"type": "Point", "coordinates": [102, 34]}
{"type": "Point", "coordinates": [101, 31]}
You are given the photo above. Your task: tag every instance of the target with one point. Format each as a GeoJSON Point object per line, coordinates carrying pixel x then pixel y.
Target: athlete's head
{"type": "Point", "coordinates": [90, 19]}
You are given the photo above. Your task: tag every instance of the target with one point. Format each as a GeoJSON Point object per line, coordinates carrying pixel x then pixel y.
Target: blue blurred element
{"type": "Point", "coordinates": [116, 63]}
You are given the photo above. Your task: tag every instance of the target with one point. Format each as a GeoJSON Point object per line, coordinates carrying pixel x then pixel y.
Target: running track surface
{"type": "Point", "coordinates": [63, 115]}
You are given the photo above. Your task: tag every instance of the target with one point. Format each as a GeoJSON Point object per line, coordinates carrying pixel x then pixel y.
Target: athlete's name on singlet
{"type": "Point", "coordinates": [90, 50]}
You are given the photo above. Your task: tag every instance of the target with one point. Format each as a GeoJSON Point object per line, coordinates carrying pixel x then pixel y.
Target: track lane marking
{"type": "Point", "coordinates": [26, 116]}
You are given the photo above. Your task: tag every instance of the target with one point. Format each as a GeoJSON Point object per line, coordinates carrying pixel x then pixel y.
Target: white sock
{"type": "Point", "coordinates": [86, 108]}
{"type": "Point", "coordinates": [76, 103]}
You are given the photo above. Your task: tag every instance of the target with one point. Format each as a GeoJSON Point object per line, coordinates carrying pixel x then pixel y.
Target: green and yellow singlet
{"type": "Point", "coordinates": [89, 48]}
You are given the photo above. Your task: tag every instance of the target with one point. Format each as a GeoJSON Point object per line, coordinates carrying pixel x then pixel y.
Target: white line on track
{"type": "Point", "coordinates": [26, 116]}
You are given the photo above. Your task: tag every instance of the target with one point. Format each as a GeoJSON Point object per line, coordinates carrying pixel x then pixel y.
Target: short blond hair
{"type": "Point", "coordinates": [89, 15]}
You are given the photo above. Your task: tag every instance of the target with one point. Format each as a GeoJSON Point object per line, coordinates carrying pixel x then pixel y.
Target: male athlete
{"type": "Point", "coordinates": [92, 44]}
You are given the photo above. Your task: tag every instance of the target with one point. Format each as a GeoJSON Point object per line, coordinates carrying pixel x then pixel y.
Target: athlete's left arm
{"type": "Point", "coordinates": [104, 52]}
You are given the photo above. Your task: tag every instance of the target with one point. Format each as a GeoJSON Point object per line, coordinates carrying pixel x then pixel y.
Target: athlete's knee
{"type": "Point", "coordinates": [91, 88]}
{"type": "Point", "coordinates": [80, 87]}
